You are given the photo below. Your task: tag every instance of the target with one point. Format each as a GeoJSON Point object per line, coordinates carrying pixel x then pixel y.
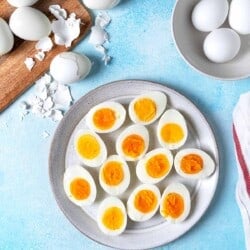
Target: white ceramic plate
{"type": "Point", "coordinates": [137, 235]}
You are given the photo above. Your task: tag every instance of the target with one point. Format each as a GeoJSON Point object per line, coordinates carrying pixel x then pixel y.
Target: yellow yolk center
{"type": "Point", "coordinates": [88, 146]}
{"type": "Point", "coordinates": [145, 109]}
{"type": "Point", "coordinates": [172, 133]}
{"type": "Point", "coordinates": [104, 118]}
{"type": "Point", "coordinates": [157, 166]}
{"type": "Point", "coordinates": [145, 201]}
{"type": "Point", "coordinates": [113, 173]}
{"type": "Point", "coordinates": [113, 218]}
{"type": "Point", "coordinates": [191, 164]}
{"type": "Point", "coordinates": [133, 146]}
{"type": "Point", "coordinates": [173, 205]}
{"type": "Point", "coordinates": [80, 189]}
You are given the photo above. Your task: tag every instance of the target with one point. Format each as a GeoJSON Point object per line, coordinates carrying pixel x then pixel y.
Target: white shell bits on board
{"type": "Point", "coordinates": [23, 17]}
{"type": "Point", "coordinates": [68, 67]}
{"type": "Point", "coordinates": [100, 4]}
{"type": "Point", "coordinates": [22, 3]}
{"type": "Point", "coordinates": [6, 38]}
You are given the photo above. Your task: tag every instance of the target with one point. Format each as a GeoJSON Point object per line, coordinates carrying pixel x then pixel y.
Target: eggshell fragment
{"type": "Point", "coordinates": [6, 38]}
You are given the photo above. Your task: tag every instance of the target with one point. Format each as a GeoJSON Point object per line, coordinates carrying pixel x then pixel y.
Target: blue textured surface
{"type": "Point", "coordinates": [143, 48]}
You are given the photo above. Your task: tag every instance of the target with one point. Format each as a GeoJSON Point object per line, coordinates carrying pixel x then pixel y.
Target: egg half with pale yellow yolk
{"type": "Point", "coordinates": [175, 203]}
{"type": "Point", "coordinates": [106, 117]}
{"type": "Point", "coordinates": [143, 202]}
{"type": "Point", "coordinates": [172, 129]}
{"type": "Point", "coordinates": [79, 185]}
{"type": "Point", "coordinates": [112, 216]}
{"type": "Point", "coordinates": [146, 108]}
{"type": "Point", "coordinates": [114, 175]}
{"type": "Point", "coordinates": [90, 148]}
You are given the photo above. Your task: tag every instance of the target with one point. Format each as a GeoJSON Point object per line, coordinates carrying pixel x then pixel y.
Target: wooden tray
{"type": "Point", "coordinates": [15, 78]}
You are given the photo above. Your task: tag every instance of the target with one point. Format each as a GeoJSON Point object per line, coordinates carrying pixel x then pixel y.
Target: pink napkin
{"type": "Point", "coordinates": [241, 136]}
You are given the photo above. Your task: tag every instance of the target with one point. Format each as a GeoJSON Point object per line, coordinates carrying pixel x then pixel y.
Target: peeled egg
{"type": "Point", "coordinates": [79, 185]}
{"type": "Point", "coordinates": [193, 163]}
{"type": "Point", "coordinates": [175, 203]}
{"type": "Point", "coordinates": [221, 45]}
{"type": "Point", "coordinates": [112, 216]}
{"type": "Point", "coordinates": [6, 38]}
{"type": "Point", "coordinates": [143, 202]}
{"type": "Point", "coordinates": [29, 24]}
{"type": "Point", "coordinates": [132, 143]}
{"type": "Point", "coordinates": [106, 117]}
{"type": "Point", "coordinates": [239, 18]}
{"type": "Point", "coordinates": [146, 108]}
{"type": "Point", "coordinates": [68, 67]}
{"type": "Point", "coordinates": [22, 3]}
{"type": "Point", "coordinates": [100, 4]}
{"type": "Point", "coordinates": [172, 129]}
{"type": "Point", "coordinates": [154, 166]}
{"type": "Point", "coordinates": [208, 15]}
{"type": "Point", "coordinates": [90, 148]}
{"type": "Point", "coordinates": [114, 175]}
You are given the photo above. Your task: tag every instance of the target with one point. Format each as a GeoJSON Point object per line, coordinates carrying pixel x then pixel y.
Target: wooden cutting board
{"type": "Point", "coordinates": [15, 78]}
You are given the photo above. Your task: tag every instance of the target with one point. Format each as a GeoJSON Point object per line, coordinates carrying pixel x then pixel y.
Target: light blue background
{"type": "Point", "coordinates": [142, 48]}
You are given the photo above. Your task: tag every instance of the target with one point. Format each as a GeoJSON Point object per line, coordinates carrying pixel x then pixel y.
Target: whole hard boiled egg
{"type": "Point", "coordinates": [6, 38]}
{"type": "Point", "coordinates": [100, 4]}
{"type": "Point", "coordinates": [29, 24]}
{"type": "Point", "coordinates": [22, 3]}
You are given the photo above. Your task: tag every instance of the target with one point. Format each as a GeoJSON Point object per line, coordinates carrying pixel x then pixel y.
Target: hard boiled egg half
{"type": "Point", "coordinates": [194, 163]}
{"type": "Point", "coordinates": [79, 185]}
{"type": "Point", "coordinates": [146, 108]}
{"type": "Point", "coordinates": [175, 203]}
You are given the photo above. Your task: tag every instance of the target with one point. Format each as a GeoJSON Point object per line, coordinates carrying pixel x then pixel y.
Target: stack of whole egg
{"type": "Point", "coordinates": [222, 44]}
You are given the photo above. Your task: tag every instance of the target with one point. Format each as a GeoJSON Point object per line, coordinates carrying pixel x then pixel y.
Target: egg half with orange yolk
{"type": "Point", "coordinates": [143, 202]}
{"type": "Point", "coordinates": [154, 166]}
{"type": "Point", "coordinates": [106, 117]}
{"type": "Point", "coordinates": [79, 185]}
{"type": "Point", "coordinates": [146, 108]}
{"type": "Point", "coordinates": [114, 175]}
{"type": "Point", "coordinates": [112, 216]}
{"type": "Point", "coordinates": [90, 148]}
{"type": "Point", "coordinates": [175, 203]}
{"type": "Point", "coordinates": [132, 143]}
{"type": "Point", "coordinates": [172, 129]}
{"type": "Point", "coordinates": [194, 163]}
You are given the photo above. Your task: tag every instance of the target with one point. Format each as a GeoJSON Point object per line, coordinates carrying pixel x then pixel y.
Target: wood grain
{"type": "Point", "coordinates": [15, 78]}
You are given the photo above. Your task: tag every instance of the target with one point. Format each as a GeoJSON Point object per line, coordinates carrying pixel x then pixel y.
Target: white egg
{"type": "Point", "coordinates": [100, 4]}
{"type": "Point", "coordinates": [69, 67]}
{"type": "Point", "coordinates": [154, 166]}
{"type": "Point", "coordinates": [106, 117]}
{"type": "Point", "coordinates": [38, 24]}
{"type": "Point", "coordinates": [22, 3]}
{"type": "Point", "coordinates": [208, 15]}
{"type": "Point", "coordinates": [90, 148]}
{"type": "Point", "coordinates": [6, 38]}
{"type": "Point", "coordinates": [146, 108]}
{"type": "Point", "coordinates": [79, 185]}
{"type": "Point", "coordinates": [172, 129]}
{"type": "Point", "coordinates": [112, 216]}
{"type": "Point", "coordinates": [193, 163]}
{"type": "Point", "coordinates": [221, 45]}
{"type": "Point", "coordinates": [143, 202]}
{"type": "Point", "coordinates": [114, 175]}
{"type": "Point", "coordinates": [132, 143]}
{"type": "Point", "coordinates": [239, 16]}
{"type": "Point", "coordinates": [175, 203]}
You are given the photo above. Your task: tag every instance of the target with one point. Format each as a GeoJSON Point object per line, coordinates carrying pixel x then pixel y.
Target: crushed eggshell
{"type": "Point", "coordinates": [29, 63]}
{"type": "Point", "coordinates": [57, 11]}
{"type": "Point", "coordinates": [45, 44]}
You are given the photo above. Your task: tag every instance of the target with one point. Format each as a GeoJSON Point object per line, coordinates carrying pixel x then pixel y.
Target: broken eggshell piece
{"type": "Point", "coordinates": [100, 4]}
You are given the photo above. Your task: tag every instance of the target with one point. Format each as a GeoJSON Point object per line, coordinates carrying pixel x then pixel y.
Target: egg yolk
{"type": "Point", "coordinates": [133, 146]}
{"type": "Point", "coordinates": [191, 164]}
{"type": "Point", "coordinates": [112, 173]}
{"type": "Point", "coordinates": [113, 218]}
{"type": "Point", "coordinates": [172, 133]}
{"type": "Point", "coordinates": [88, 146]}
{"type": "Point", "coordinates": [157, 166]}
{"type": "Point", "coordinates": [145, 109]}
{"type": "Point", "coordinates": [80, 189]}
{"type": "Point", "coordinates": [104, 118]}
{"type": "Point", "coordinates": [145, 201]}
{"type": "Point", "coordinates": [173, 205]}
